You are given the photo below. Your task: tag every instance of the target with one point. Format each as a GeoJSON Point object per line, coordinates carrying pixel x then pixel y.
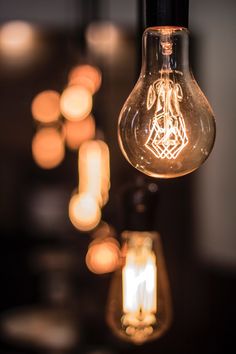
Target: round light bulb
{"type": "Point", "coordinates": [48, 148]}
{"type": "Point", "coordinates": [86, 75]}
{"type": "Point", "coordinates": [166, 128]}
{"type": "Point", "coordinates": [103, 256]}
{"type": "Point", "coordinates": [76, 102]}
{"type": "Point", "coordinates": [84, 212]}
{"type": "Point", "coordinates": [77, 133]}
{"type": "Point", "coordinates": [46, 106]}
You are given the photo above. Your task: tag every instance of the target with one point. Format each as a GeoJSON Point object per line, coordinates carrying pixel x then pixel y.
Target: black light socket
{"type": "Point", "coordinates": [165, 13]}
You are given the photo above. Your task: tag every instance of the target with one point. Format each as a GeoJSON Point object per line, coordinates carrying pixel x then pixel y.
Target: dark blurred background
{"type": "Point", "coordinates": [42, 256]}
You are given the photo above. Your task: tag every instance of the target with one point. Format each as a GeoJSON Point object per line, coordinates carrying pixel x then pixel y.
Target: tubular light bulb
{"type": "Point", "coordinates": [94, 170]}
{"type": "Point", "coordinates": [166, 127]}
{"type": "Point", "coordinates": [139, 306]}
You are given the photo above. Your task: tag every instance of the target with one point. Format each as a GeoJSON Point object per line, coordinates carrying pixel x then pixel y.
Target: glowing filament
{"type": "Point", "coordinates": [139, 279]}
{"type": "Point", "coordinates": [167, 136]}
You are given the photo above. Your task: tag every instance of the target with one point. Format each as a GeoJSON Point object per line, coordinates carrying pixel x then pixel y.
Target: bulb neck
{"type": "Point", "coordinates": [165, 50]}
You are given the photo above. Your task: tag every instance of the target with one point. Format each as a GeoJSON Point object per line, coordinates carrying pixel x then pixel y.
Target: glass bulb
{"type": "Point", "coordinates": [139, 307]}
{"type": "Point", "coordinates": [166, 127]}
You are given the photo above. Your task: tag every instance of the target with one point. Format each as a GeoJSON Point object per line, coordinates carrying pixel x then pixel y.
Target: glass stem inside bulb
{"type": "Point", "coordinates": [139, 280]}
{"type": "Point", "coordinates": [168, 136]}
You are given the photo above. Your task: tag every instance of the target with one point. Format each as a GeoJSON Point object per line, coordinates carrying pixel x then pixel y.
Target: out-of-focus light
{"type": "Point", "coordinates": [103, 256]}
{"type": "Point", "coordinates": [103, 230]}
{"type": "Point", "coordinates": [87, 76]}
{"type": "Point", "coordinates": [48, 148]}
{"type": "Point", "coordinates": [46, 106]}
{"type": "Point", "coordinates": [84, 211]}
{"type": "Point", "coordinates": [94, 170]}
{"type": "Point", "coordinates": [41, 327]}
{"type": "Point", "coordinates": [17, 40]}
{"type": "Point", "coordinates": [76, 102]}
{"type": "Point", "coordinates": [103, 38]}
{"type": "Point", "coordinates": [78, 132]}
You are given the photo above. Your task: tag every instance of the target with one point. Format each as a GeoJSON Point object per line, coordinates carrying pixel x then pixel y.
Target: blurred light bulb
{"type": "Point", "coordinates": [166, 128]}
{"type": "Point", "coordinates": [17, 40]}
{"type": "Point", "coordinates": [139, 307]}
{"type": "Point", "coordinates": [46, 106]}
{"type": "Point", "coordinates": [103, 38]}
{"type": "Point", "coordinates": [103, 255]}
{"type": "Point", "coordinates": [94, 170]}
{"type": "Point", "coordinates": [48, 148]}
{"type": "Point", "coordinates": [77, 133]}
{"type": "Point", "coordinates": [84, 211]}
{"type": "Point", "coordinates": [87, 76]}
{"type": "Point", "coordinates": [76, 102]}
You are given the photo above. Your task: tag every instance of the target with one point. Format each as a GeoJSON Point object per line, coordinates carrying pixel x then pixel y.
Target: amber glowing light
{"type": "Point", "coordinates": [166, 127]}
{"type": "Point", "coordinates": [87, 76]}
{"type": "Point", "coordinates": [103, 256]}
{"type": "Point", "coordinates": [17, 40]}
{"type": "Point", "coordinates": [76, 102]}
{"type": "Point", "coordinates": [84, 211]}
{"type": "Point", "coordinates": [78, 132]}
{"type": "Point", "coordinates": [48, 148]}
{"type": "Point", "coordinates": [46, 106]}
{"type": "Point", "coordinates": [94, 170]}
{"type": "Point", "coordinates": [139, 307]}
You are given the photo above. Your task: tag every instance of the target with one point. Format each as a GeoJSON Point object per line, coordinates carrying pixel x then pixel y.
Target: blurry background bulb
{"type": "Point", "coordinates": [139, 307]}
{"type": "Point", "coordinates": [84, 212]}
{"type": "Point", "coordinates": [166, 127]}
{"type": "Point", "coordinates": [94, 170]}
{"type": "Point", "coordinates": [48, 148]}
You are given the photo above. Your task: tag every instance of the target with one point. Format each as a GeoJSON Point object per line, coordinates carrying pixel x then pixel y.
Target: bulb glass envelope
{"type": "Point", "coordinates": [139, 305]}
{"type": "Point", "coordinates": [166, 127]}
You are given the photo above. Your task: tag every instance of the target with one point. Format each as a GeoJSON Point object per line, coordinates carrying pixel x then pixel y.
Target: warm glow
{"type": "Point", "coordinates": [94, 170]}
{"type": "Point", "coordinates": [46, 106]}
{"type": "Point", "coordinates": [167, 136]}
{"type": "Point", "coordinates": [84, 212]}
{"type": "Point", "coordinates": [76, 102]}
{"type": "Point", "coordinates": [48, 148]}
{"type": "Point", "coordinates": [139, 277]}
{"type": "Point", "coordinates": [104, 230]}
{"type": "Point", "coordinates": [17, 40]}
{"type": "Point", "coordinates": [103, 256]}
{"type": "Point", "coordinates": [103, 38]}
{"type": "Point", "coordinates": [87, 76]}
{"type": "Point", "coordinates": [78, 132]}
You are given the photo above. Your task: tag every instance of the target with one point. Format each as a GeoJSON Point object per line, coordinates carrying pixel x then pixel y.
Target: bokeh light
{"type": "Point", "coordinates": [78, 132]}
{"type": "Point", "coordinates": [76, 103]}
{"type": "Point", "coordinates": [48, 148]}
{"type": "Point", "coordinates": [87, 76]}
{"type": "Point", "coordinates": [103, 256]}
{"type": "Point", "coordinates": [103, 38]}
{"type": "Point", "coordinates": [46, 106]}
{"type": "Point", "coordinates": [84, 212]}
{"type": "Point", "coordinates": [94, 170]}
{"type": "Point", "coordinates": [17, 41]}
{"type": "Point", "coordinates": [42, 327]}
{"type": "Point", "coordinates": [103, 230]}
